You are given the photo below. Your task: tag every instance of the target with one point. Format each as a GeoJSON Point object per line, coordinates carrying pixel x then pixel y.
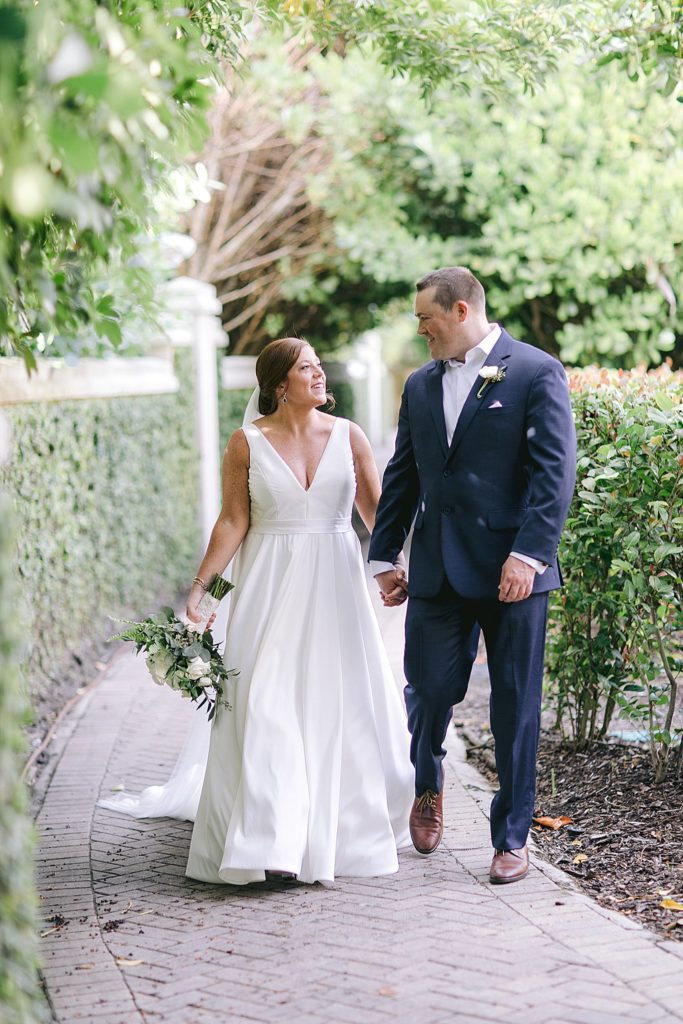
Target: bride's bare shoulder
{"type": "Point", "coordinates": [237, 448]}
{"type": "Point", "coordinates": [359, 442]}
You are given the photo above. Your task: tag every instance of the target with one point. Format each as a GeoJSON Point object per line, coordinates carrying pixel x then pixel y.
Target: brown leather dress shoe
{"type": "Point", "coordinates": [426, 821]}
{"type": "Point", "coordinates": [509, 866]}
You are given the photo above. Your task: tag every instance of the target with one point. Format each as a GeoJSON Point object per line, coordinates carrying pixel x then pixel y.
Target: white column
{"type": "Point", "coordinates": [193, 319]}
{"type": "Point", "coordinates": [375, 393]}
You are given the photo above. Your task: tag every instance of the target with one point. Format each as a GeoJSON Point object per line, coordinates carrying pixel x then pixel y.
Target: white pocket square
{"type": "Point", "coordinates": [496, 405]}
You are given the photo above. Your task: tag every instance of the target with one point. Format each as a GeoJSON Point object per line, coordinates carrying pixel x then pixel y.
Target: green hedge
{"type": "Point", "coordinates": [231, 406]}
{"type": "Point", "coordinates": [106, 495]}
{"type": "Point", "coordinates": [19, 995]}
{"type": "Point", "coordinates": [616, 629]}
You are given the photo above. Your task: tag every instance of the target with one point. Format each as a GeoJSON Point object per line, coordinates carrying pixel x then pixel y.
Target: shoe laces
{"type": "Point", "coordinates": [428, 799]}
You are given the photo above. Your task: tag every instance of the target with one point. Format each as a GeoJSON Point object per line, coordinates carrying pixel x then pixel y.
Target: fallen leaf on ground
{"type": "Point", "coordinates": [670, 904]}
{"type": "Point", "coordinates": [84, 967]}
{"type": "Point", "coordinates": [387, 991]}
{"type": "Point", "coordinates": [580, 858]}
{"type": "Point", "coordinates": [553, 823]}
{"type": "Point", "coordinates": [116, 789]}
{"type": "Point", "coordinates": [141, 913]}
{"type": "Point", "coordinates": [122, 962]}
{"type": "Point", "coordinates": [49, 932]}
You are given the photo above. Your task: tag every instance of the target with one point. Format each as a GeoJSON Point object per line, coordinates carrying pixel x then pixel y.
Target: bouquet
{"type": "Point", "coordinates": [182, 657]}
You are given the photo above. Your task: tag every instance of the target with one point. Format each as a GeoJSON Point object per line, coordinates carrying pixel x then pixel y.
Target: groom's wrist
{"type": "Point", "coordinates": [376, 567]}
{"type": "Point", "coordinates": [535, 563]}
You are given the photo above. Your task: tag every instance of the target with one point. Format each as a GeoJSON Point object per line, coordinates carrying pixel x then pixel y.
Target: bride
{"type": "Point", "coordinates": [308, 775]}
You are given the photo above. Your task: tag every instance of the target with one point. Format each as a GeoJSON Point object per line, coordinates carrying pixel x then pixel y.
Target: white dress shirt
{"type": "Point", "coordinates": [458, 380]}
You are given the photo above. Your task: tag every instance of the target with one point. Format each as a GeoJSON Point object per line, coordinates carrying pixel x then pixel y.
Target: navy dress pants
{"type": "Point", "coordinates": [441, 645]}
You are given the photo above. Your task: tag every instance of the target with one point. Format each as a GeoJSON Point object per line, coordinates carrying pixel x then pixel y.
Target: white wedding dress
{"type": "Point", "coordinates": [309, 772]}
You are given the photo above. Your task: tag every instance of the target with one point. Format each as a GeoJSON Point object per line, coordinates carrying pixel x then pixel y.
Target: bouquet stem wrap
{"type": "Point", "coordinates": [209, 602]}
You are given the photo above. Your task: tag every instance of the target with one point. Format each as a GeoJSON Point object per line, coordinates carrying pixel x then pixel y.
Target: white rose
{"type": "Point", "coordinates": [158, 665]}
{"type": "Point", "coordinates": [488, 371]}
{"type": "Point", "coordinates": [205, 681]}
{"type": "Point", "coordinates": [196, 668]}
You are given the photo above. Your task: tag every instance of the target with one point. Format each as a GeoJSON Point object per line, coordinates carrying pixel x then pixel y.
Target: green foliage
{"type": "Point", "coordinates": [98, 99]}
{"type": "Point", "coordinates": [231, 406]}
{"type": "Point", "coordinates": [106, 496]}
{"type": "Point", "coordinates": [19, 997]}
{"type": "Point", "coordinates": [547, 196]}
{"type": "Point", "coordinates": [436, 41]}
{"type": "Point", "coordinates": [616, 636]}
{"type": "Point", "coordinates": [645, 37]}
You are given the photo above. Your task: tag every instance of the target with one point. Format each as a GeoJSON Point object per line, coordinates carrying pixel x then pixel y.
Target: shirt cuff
{"type": "Point", "coordinates": [540, 567]}
{"type": "Point", "coordinates": [377, 567]}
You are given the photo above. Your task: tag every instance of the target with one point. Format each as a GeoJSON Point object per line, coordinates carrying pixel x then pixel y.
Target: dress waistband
{"type": "Point", "coordinates": [341, 525]}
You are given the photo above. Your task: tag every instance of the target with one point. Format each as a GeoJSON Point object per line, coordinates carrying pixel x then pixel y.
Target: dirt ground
{"type": "Point", "coordinates": [624, 844]}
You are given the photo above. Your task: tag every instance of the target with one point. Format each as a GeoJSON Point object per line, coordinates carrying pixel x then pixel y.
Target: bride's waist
{"type": "Point", "coordinates": [342, 524]}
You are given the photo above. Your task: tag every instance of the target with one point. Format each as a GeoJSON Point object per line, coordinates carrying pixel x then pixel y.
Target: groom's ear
{"type": "Point", "coordinates": [461, 310]}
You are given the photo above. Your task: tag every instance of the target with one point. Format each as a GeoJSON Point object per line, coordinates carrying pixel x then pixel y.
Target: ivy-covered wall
{"type": "Point", "coordinates": [19, 997]}
{"type": "Point", "coordinates": [105, 494]}
{"type": "Point", "coordinates": [231, 406]}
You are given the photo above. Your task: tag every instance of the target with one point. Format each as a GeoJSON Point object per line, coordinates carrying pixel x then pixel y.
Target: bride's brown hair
{"type": "Point", "coordinates": [272, 367]}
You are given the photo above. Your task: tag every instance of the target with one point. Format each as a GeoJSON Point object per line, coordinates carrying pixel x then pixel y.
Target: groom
{"type": "Point", "coordinates": [484, 465]}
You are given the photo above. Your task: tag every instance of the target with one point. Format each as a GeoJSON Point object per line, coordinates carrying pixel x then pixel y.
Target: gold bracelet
{"type": "Point", "coordinates": [201, 582]}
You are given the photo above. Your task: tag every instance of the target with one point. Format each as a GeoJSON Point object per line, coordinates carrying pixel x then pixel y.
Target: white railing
{"type": "Point", "coordinates": [56, 381]}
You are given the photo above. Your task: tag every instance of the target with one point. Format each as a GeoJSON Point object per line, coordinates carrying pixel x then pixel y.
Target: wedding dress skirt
{"type": "Point", "coordinates": [309, 772]}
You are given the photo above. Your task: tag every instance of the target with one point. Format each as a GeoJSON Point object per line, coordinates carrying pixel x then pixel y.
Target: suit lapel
{"type": "Point", "coordinates": [498, 356]}
{"type": "Point", "coordinates": [435, 401]}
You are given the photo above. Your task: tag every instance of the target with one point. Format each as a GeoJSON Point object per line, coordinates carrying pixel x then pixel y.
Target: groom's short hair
{"type": "Point", "coordinates": [454, 284]}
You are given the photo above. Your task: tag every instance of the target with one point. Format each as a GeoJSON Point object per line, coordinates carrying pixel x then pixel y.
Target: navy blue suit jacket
{"type": "Point", "coordinates": [504, 484]}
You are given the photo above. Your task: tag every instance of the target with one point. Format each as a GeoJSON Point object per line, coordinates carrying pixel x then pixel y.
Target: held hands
{"type": "Point", "coordinates": [393, 585]}
{"type": "Point", "coordinates": [516, 580]}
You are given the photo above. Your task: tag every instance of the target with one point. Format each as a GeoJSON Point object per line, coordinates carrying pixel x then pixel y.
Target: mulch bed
{"type": "Point", "coordinates": [624, 845]}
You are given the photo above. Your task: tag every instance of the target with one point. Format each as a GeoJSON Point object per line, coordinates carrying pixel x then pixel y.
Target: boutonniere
{"type": "Point", "coordinates": [491, 375]}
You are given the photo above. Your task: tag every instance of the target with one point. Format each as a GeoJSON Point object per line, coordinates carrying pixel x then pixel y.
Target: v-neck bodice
{"type": "Point", "coordinates": [280, 503]}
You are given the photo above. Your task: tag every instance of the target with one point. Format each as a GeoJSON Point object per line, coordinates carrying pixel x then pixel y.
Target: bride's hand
{"type": "Point", "coordinates": [196, 594]}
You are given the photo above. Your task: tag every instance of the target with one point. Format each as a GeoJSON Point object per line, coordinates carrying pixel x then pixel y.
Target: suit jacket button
{"type": "Point", "coordinates": [447, 472]}
{"type": "Point", "coordinates": [447, 510]}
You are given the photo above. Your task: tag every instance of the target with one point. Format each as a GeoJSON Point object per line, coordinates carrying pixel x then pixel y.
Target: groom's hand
{"type": "Point", "coordinates": [393, 587]}
{"type": "Point", "coordinates": [516, 580]}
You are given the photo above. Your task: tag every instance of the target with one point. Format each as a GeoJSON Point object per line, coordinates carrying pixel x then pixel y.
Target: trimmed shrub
{"type": "Point", "coordinates": [20, 1001]}
{"type": "Point", "coordinates": [616, 629]}
{"type": "Point", "coordinates": [105, 493]}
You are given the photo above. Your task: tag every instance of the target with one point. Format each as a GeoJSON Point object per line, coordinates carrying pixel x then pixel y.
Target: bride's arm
{"type": "Point", "coordinates": [233, 521]}
{"type": "Point", "coordinates": [368, 488]}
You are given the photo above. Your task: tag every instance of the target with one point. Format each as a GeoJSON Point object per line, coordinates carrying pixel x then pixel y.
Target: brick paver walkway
{"type": "Point", "coordinates": [434, 943]}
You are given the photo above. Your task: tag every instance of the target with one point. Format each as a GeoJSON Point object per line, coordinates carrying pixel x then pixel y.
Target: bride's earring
{"type": "Point", "coordinates": [284, 399]}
